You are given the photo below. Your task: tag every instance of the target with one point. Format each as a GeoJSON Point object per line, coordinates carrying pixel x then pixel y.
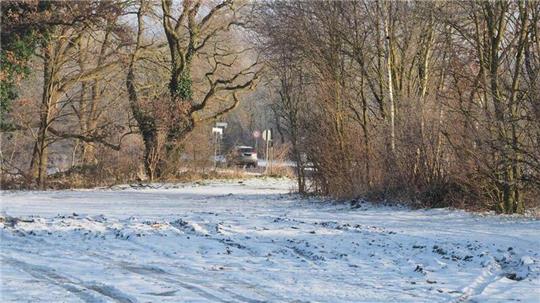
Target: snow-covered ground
{"type": "Point", "coordinates": [254, 242]}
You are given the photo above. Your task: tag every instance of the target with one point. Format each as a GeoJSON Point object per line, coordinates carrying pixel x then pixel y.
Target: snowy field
{"type": "Point", "coordinates": [254, 242]}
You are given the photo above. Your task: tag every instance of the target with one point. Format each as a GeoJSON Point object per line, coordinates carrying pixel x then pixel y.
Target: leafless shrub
{"type": "Point", "coordinates": [410, 101]}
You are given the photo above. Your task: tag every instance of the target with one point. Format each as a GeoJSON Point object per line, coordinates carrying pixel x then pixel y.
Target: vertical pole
{"type": "Point", "coordinates": [271, 142]}
{"type": "Point", "coordinates": [257, 145]}
{"type": "Point", "coordinates": [271, 156]}
{"type": "Point", "coordinates": [266, 155]}
{"type": "Point", "coordinates": [257, 149]}
{"type": "Point", "coordinates": [215, 150]}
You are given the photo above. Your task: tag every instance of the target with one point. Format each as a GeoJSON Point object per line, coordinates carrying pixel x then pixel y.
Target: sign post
{"type": "Point", "coordinates": [267, 137]}
{"type": "Point", "coordinates": [256, 135]}
{"type": "Point", "coordinates": [221, 124]}
{"type": "Point", "coordinates": [218, 133]}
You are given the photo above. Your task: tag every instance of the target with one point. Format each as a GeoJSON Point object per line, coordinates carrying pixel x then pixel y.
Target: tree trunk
{"type": "Point", "coordinates": [367, 148]}
{"type": "Point", "coordinates": [388, 55]}
{"type": "Point", "coordinates": [152, 153]}
{"type": "Point", "coordinates": [40, 156]}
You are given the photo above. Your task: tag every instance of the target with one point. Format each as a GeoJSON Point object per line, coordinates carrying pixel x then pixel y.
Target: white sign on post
{"type": "Point", "coordinates": [217, 130]}
{"type": "Point", "coordinates": [267, 135]}
{"type": "Point", "coordinates": [221, 124]}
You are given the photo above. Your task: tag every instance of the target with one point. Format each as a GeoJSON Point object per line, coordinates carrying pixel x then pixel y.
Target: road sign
{"type": "Point", "coordinates": [256, 133]}
{"type": "Point", "coordinates": [221, 124]}
{"type": "Point", "coordinates": [267, 135]}
{"type": "Point", "coordinates": [217, 130]}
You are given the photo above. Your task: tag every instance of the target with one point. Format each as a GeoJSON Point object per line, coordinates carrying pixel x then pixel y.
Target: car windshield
{"type": "Point", "coordinates": [246, 150]}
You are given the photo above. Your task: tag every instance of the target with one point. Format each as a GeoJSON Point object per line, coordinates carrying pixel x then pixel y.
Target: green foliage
{"type": "Point", "coordinates": [24, 25]}
{"type": "Point", "coordinates": [15, 53]}
{"type": "Point", "coordinates": [184, 86]}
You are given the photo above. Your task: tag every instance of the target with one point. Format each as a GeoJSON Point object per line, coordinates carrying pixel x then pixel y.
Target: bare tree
{"type": "Point", "coordinates": [196, 32]}
{"type": "Point", "coordinates": [56, 28]}
{"type": "Point", "coordinates": [430, 101]}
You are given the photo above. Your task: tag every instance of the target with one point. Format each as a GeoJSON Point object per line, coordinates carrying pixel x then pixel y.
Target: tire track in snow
{"type": "Point", "coordinates": [185, 282]}
{"type": "Point", "coordinates": [77, 288]}
{"type": "Point", "coordinates": [194, 275]}
{"type": "Point", "coordinates": [161, 275]}
{"type": "Point", "coordinates": [191, 278]}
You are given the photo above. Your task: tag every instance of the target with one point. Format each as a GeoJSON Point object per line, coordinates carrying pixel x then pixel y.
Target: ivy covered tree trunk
{"type": "Point", "coordinates": [167, 122]}
{"type": "Point", "coordinates": [147, 126]}
{"type": "Point", "coordinates": [181, 109]}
